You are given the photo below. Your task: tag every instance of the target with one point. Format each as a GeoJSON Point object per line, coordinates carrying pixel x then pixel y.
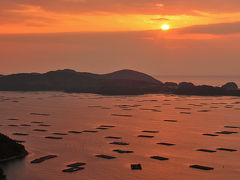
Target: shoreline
{"type": "Point", "coordinates": [14, 157]}
{"type": "Point", "coordinates": [125, 94]}
{"type": "Point", "coordinates": [123, 82]}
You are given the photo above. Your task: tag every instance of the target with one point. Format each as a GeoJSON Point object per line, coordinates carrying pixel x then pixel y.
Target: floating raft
{"type": "Point", "coordinates": [105, 156]}
{"type": "Point", "coordinates": [232, 127]}
{"type": "Point", "coordinates": [44, 158]}
{"type": "Point", "coordinates": [113, 137]}
{"type": "Point", "coordinates": [72, 169]}
{"type": "Point", "coordinates": [75, 132]}
{"type": "Point", "coordinates": [40, 130]}
{"type": "Point", "coordinates": [120, 143]}
{"type": "Point", "coordinates": [207, 134]}
{"type": "Point", "coordinates": [206, 150]}
{"type": "Point", "coordinates": [226, 132]}
{"type": "Point", "coordinates": [20, 134]}
{"type": "Point", "coordinates": [145, 136]}
{"type": "Point", "coordinates": [170, 120]}
{"type": "Point", "coordinates": [25, 125]}
{"type": "Point", "coordinates": [122, 151]}
{"type": "Point", "coordinates": [77, 164]}
{"type": "Point", "coordinates": [226, 149]}
{"type": "Point", "coordinates": [150, 131]}
{"type": "Point", "coordinates": [13, 119]}
{"type": "Point", "coordinates": [166, 144]}
{"type": "Point", "coordinates": [61, 134]}
{"type": "Point", "coordinates": [90, 131]}
{"type": "Point", "coordinates": [40, 114]}
{"type": "Point", "coordinates": [122, 115]}
{"type": "Point", "coordinates": [201, 167]}
{"type": "Point", "coordinates": [136, 167]}
{"type": "Point", "coordinates": [159, 158]}
{"type": "Point", "coordinates": [52, 137]}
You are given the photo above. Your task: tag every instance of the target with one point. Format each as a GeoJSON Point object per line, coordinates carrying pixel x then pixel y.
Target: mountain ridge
{"type": "Point", "coordinates": [122, 82]}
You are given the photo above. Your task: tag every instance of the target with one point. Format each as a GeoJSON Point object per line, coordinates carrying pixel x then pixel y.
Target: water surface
{"type": "Point", "coordinates": [194, 116]}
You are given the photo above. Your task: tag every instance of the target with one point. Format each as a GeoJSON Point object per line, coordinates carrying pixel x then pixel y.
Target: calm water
{"type": "Point", "coordinates": [87, 112]}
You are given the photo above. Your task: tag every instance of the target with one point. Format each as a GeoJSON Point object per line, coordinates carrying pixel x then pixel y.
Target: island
{"type": "Point", "coordinates": [123, 82]}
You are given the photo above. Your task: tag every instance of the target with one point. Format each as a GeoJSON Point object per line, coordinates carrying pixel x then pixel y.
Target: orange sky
{"type": "Point", "coordinates": [88, 27]}
{"type": "Point", "coordinates": [30, 16]}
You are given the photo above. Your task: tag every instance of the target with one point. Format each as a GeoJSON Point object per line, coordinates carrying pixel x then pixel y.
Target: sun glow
{"type": "Point", "coordinates": [165, 27]}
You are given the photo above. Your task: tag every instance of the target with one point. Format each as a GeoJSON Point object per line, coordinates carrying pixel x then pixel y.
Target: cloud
{"type": "Point", "coordinates": [25, 16]}
{"type": "Point", "coordinates": [18, 14]}
{"type": "Point", "coordinates": [159, 19]}
{"type": "Point", "coordinates": [218, 29]}
{"type": "Point", "coordinates": [127, 6]}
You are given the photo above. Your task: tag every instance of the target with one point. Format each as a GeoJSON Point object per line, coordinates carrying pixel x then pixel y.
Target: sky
{"type": "Point", "coordinates": [109, 35]}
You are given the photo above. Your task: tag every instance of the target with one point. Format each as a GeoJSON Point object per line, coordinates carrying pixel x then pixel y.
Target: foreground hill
{"type": "Point", "coordinates": [123, 82]}
{"type": "Point", "coordinates": [10, 149]}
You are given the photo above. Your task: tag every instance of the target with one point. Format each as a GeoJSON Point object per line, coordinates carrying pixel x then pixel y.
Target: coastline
{"type": "Point", "coordinates": [14, 157]}
{"type": "Point", "coordinates": [123, 82]}
{"type": "Point", "coordinates": [127, 94]}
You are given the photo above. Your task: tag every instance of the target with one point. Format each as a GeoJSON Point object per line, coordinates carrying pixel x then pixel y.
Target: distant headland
{"type": "Point", "coordinates": [123, 82]}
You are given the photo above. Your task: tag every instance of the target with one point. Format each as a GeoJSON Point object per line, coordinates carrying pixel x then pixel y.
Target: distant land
{"type": "Point", "coordinates": [123, 82]}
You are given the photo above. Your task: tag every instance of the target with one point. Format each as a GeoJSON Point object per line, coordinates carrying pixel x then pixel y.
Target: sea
{"type": "Point", "coordinates": [165, 134]}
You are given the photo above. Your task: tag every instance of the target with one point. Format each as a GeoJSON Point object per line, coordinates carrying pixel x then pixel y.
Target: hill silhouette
{"type": "Point", "coordinates": [123, 82]}
{"type": "Point", "coordinates": [127, 74]}
{"type": "Point", "coordinates": [119, 82]}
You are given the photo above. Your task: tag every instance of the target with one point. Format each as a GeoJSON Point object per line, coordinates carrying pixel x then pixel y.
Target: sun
{"type": "Point", "coordinates": [165, 27]}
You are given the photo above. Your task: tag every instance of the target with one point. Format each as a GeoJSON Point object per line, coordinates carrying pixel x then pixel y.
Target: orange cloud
{"type": "Point", "coordinates": [128, 7]}
{"type": "Point", "coordinates": [221, 28]}
{"type": "Point", "coordinates": [30, 16]}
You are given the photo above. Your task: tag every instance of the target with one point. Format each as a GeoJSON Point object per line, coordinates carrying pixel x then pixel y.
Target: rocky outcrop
{"type": "Point", "coordinates": [206, 90]}
{"type": "Point", "coordinates": [230, 86]}
{"type": "Point", "coordinates": [170, 85]}
{"type": "Point", "coordinates": [10, 150]}
{"type": "Point", "coordinates": [186, 85]}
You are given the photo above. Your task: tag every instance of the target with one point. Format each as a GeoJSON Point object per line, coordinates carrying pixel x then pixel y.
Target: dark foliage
{"type": "Point", "coordinates": [10, 149]}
